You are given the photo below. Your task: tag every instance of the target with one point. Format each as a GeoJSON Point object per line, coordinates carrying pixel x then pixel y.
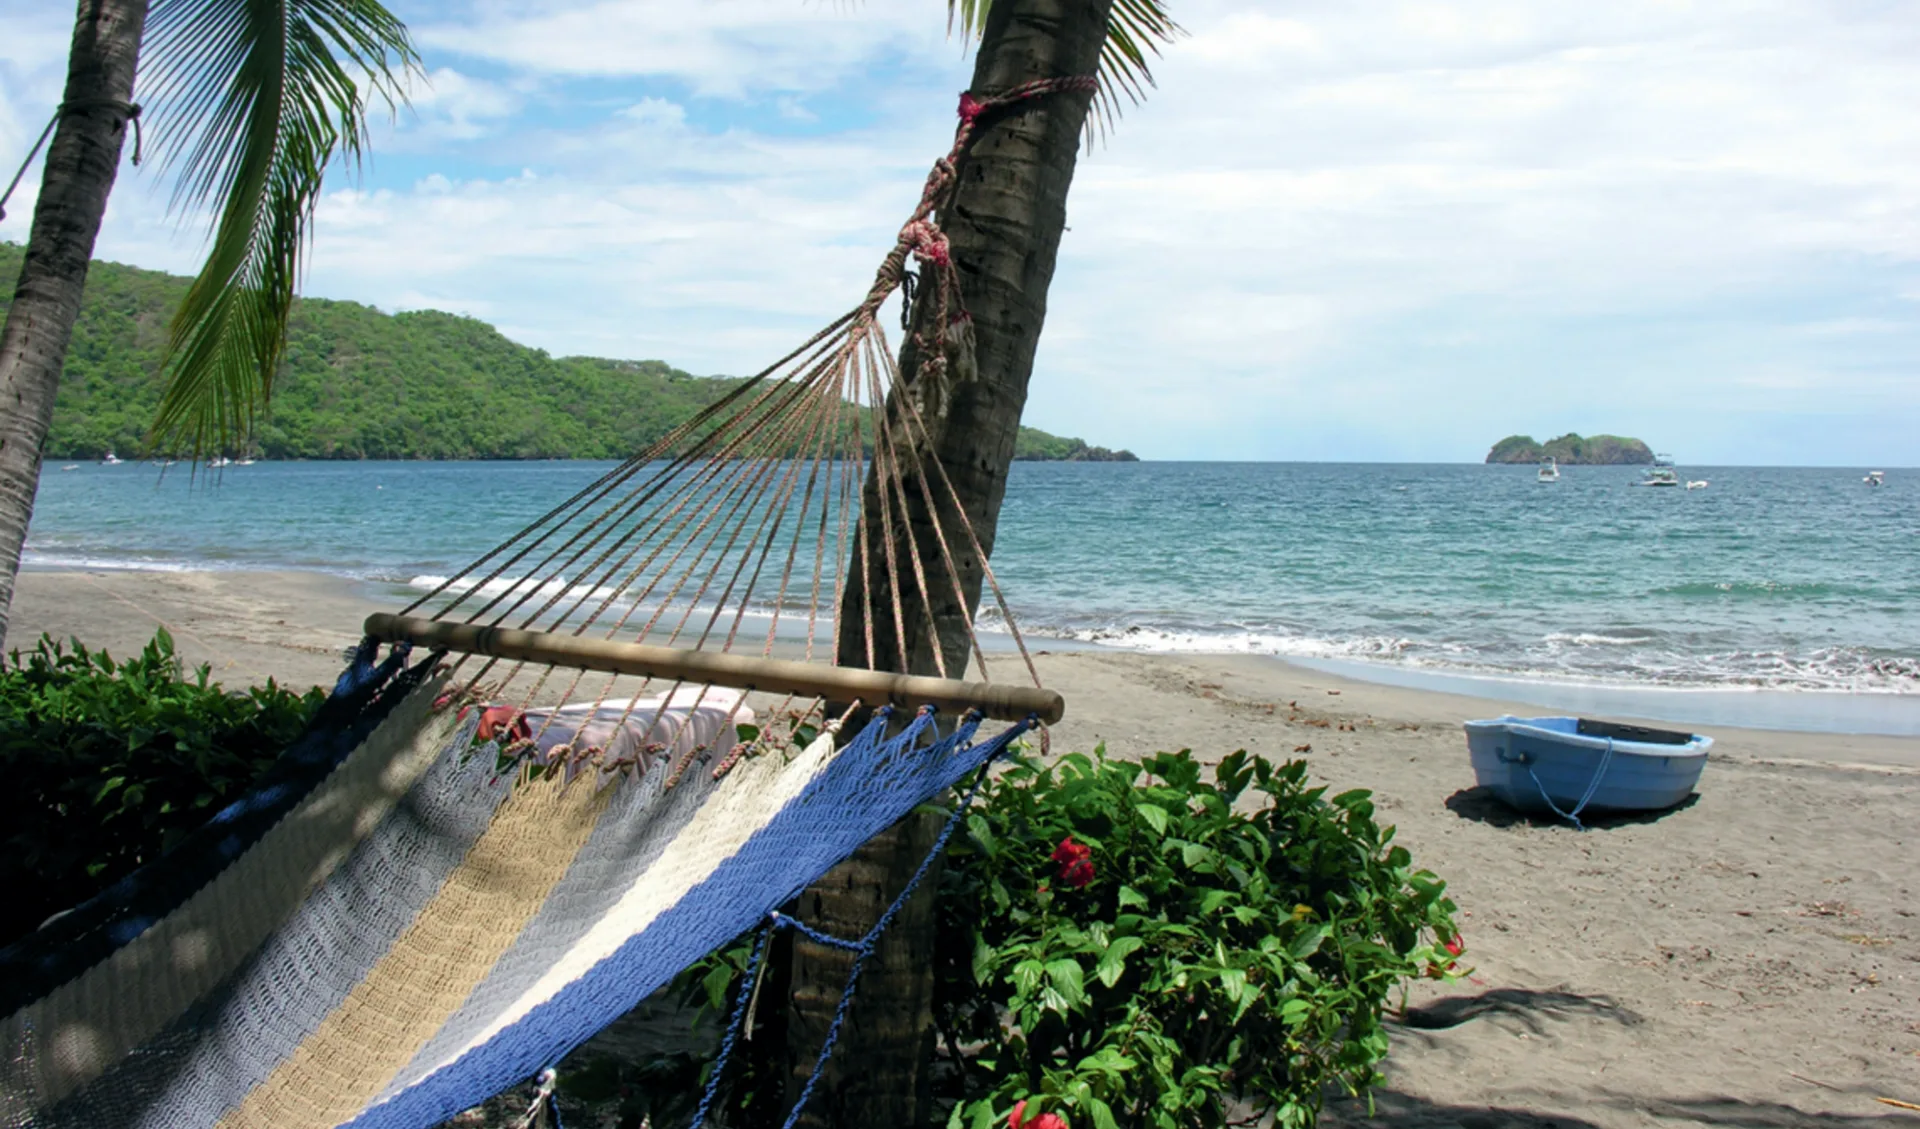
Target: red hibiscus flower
{"type": "Point", "coordinates": [1040, 1120]}
{"type": "Point", "coordinates": [1076, 862]}
{"type": "Point", "coordinates": [1455, 945]}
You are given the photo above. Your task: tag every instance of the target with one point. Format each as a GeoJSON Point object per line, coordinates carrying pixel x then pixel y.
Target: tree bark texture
{"type": "Point", "coordinates": [1003, 222]}
{"type": "Point", "coordinates": [81, 165]}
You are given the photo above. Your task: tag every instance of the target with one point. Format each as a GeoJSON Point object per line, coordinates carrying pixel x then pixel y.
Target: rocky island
{"type": "Point", "coordinates": [1573, 450]}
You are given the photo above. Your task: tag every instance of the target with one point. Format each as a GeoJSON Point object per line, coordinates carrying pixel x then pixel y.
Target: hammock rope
{"type": "Point", "coordinates": [473, 861]}
{"type": "Point", "coordinates": [737, 516]}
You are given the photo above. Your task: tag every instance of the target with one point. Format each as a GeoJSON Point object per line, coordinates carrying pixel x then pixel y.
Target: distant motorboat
{"type": "Point", "coordinates": [71, 466]}
{"type": "Point", "coordinates": [1875, 478]}
{"type": "Point", "coordinates": [219, 461]}
{"type": "Point", "coordinates": [111, 459]}
{"type": "Point", "coordinates": [1659, 475]}
{"type": "Point", "coordinates": [1549, 471]}
{"type": "Point", "coordinates": [1697, 484]}
{"type": "Point", "coordinates": [243, 462]}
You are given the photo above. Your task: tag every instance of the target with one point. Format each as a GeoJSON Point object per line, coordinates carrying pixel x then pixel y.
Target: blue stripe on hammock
{"type": "Point", "coordinates": [868, 786]}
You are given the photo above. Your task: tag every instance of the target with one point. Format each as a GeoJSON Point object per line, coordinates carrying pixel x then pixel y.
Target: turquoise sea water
{"type": "Point", "coordinates": [1792, 579]}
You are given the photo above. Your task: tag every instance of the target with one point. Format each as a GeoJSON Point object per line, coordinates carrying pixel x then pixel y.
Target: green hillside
{"type": "Point", "coordinates": [361, 384]}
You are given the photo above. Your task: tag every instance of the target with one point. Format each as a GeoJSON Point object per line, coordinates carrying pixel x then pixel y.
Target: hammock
{"type": "Point", "coordinates": [620, 751]}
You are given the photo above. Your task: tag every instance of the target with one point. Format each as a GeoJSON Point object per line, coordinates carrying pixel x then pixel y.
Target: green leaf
{"type": "Point", "coordinates": [1113, 962]}
{"type": "Point", "coordinates": [1066, 978]}
{"type": "Point", "coordinates": [1308, 942]}
{"type": "Point", "coordinates": [1214, 899]}
{"type": "Point", "coordinates": [1155, 815]}
{"type": "Point", "coordinates": [1102, 1114]}
{"type": "Point", "coordinates": [717, 981]}
{"type": "Point", "coordinates": [1131, 897]}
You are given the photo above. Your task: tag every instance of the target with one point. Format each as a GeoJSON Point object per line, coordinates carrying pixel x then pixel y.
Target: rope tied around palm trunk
{"type": "Point", "coordinates": [129, 112]}
{"type": "Point", "coordinates": [921, 236]}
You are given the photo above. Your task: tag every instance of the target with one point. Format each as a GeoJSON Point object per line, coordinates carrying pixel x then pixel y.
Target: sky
{"type": "Point", "coordinates": [1337, 230]}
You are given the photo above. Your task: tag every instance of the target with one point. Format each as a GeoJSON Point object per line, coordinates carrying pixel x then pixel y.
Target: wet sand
{"type": "Point", "coordinates": [1749, 959]}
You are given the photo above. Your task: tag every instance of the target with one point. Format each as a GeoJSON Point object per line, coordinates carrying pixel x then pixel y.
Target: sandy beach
{"type": "Point", "coordinates": [1750, 959]}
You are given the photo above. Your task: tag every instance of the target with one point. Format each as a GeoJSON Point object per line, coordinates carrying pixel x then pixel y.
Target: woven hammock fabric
{"type": "Point", "coordinates": [415, 931]}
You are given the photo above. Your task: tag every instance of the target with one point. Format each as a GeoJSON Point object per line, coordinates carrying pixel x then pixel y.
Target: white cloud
{"type": "Point", "coordinates": [717, 47]}
{"type": "Point", "coordinates": [454, 106]}
{"type": "Point", "coordinates": [1337, 229]}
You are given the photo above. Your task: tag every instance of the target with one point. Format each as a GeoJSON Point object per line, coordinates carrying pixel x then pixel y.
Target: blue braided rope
{"type": "Point", "coordinates": [782, 921]}
{"type": "Point", "coordinates": [863, 948]}
{"type": "Point", "coordinates": [872, 938]}
{"type": "Point", "coordinates": [734, 1025]}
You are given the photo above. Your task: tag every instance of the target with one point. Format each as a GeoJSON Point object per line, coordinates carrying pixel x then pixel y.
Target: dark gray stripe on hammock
{"type": "Point", "coordinates": [65, 948]}
{"type": "Point", "coordinates": [190, 1075]}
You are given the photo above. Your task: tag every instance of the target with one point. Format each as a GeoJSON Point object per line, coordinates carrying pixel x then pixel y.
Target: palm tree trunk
{"type": "Point", "coordinates": [80, 169]}
{"type": "Point", "coordinates": [1004, 225]}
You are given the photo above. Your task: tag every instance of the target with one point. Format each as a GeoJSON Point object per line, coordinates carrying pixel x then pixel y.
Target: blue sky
{"type": "Point", "coordinates": [1338, 230]}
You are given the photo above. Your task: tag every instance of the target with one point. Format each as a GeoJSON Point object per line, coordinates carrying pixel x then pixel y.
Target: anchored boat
{"type": "Point", "coordinates": [1571, 765]}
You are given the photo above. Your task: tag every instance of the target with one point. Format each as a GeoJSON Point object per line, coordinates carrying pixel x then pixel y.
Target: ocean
{"type": "Point", "coordinates": [1780, 579]}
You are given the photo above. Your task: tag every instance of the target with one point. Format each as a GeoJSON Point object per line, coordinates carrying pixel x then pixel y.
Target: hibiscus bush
{"type": "Point", "coordinates": [1150, 944]}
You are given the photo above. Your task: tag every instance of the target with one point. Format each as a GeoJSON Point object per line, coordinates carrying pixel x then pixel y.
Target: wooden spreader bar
{"type": "Point", "coordinates": [700, 668]}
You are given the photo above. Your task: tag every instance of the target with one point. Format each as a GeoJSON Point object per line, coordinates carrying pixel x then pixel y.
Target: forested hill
{"type": "Point", "coordinates": [361, 384]}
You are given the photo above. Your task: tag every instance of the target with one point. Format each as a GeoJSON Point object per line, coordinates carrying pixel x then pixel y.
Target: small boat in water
{"type": "Point", "coordinates": [1697, 484]}
{"type": "Point", "coordinates": [111, 459]}
{"type": "Point", "coordinates": [1660, 476]}
{"type": "Point", "coordinates": [1875, 478]}
{"type": "Point", "coordinates": [1569, 766]}
{"type": "Point", "coordinates": [1549, 471]}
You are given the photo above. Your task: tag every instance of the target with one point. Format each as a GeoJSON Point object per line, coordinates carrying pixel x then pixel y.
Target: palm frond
{"type": "Point", "coordinates": [1135, 31]}
{"type": "Point", "coordinates": [252, 101]}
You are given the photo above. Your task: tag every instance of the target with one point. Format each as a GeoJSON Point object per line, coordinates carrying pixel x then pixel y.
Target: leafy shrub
{"type": "Point", "coordinates": [1131, 944]}
{"type": "Point", "coordinates": [106, 764]}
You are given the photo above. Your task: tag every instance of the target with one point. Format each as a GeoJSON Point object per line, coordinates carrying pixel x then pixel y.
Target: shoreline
{"type": "Point", "coordinates": [1764, 933]}
{"type": "Point", "coordinates": [1833, 713]}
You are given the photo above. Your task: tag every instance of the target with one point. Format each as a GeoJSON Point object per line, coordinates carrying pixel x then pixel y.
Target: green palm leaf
{"type": "Point", "coordinates": [253, 100]}
{"type": "Point", "coordinates": [1135, 30]}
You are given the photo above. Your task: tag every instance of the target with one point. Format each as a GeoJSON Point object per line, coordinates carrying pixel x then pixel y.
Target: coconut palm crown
{"type": "Point", "coordinates": [252, 101]}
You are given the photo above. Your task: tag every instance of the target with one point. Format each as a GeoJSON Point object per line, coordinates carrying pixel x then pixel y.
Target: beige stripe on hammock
{"type": "Point", "coordinates": [431, 969]}
{"type": "Point", "coordinates": [744, 801]}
